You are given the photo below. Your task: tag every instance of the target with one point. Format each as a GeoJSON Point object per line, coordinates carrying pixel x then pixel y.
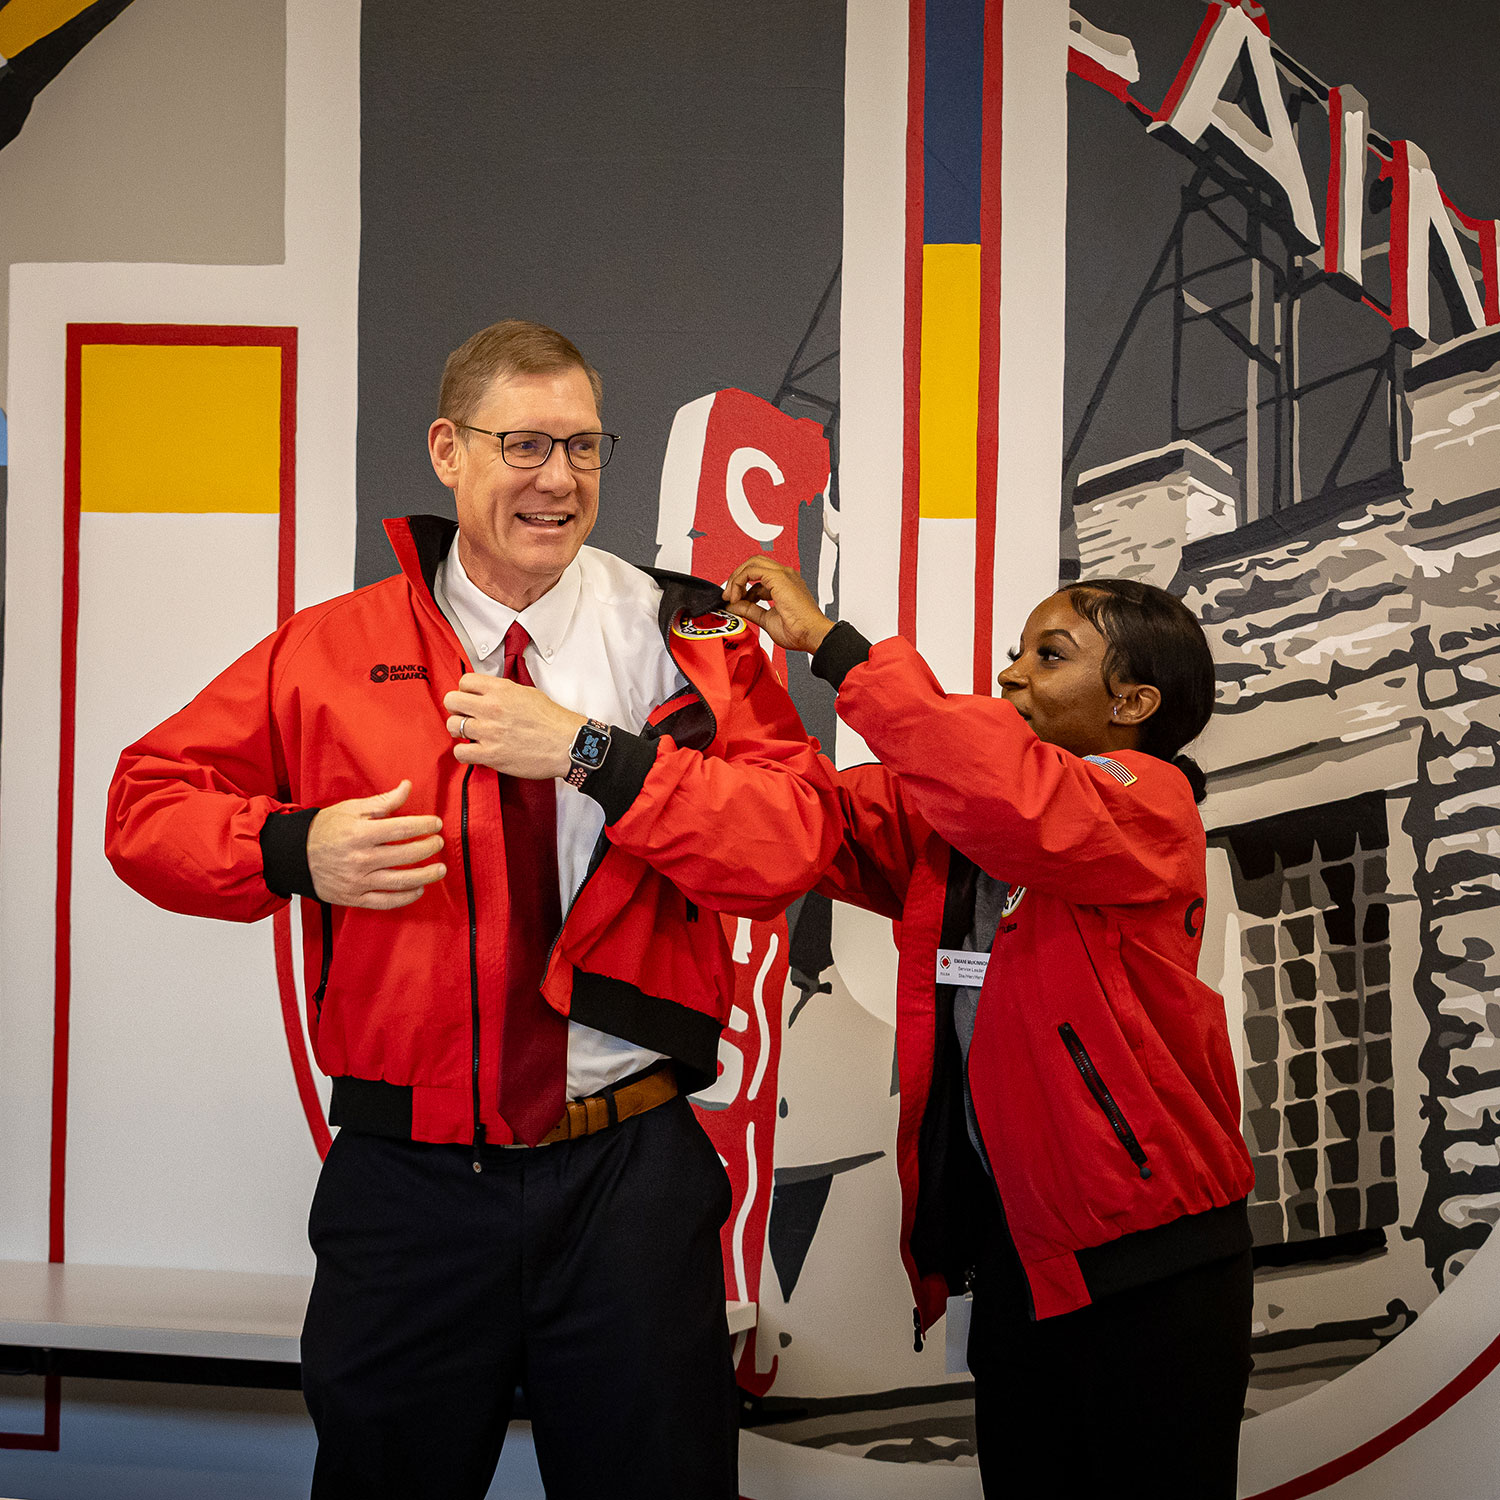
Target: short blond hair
{"type": "Point", "coordinates": [511, 347]}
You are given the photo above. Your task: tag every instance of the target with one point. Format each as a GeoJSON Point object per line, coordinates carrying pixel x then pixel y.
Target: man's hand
{"type": "Point", "coordinates": [512, 729]}
{"type": "Point", "coordinates": [361, 856]}
{"type": "Point", "coordinates": [772, 596]}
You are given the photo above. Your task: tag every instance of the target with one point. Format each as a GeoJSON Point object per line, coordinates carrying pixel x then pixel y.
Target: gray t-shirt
{"type": "Point", "coordinates": [989, 901]}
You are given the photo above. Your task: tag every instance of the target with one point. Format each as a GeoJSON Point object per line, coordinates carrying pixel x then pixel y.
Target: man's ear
{"type": "Point", "coordinates": [443, 447]}
{"type": "Point", "coordinates": [1138, 701]}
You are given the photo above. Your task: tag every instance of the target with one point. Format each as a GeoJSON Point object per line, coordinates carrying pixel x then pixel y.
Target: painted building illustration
{"type": "Point", "coordinates": [1326, 502]}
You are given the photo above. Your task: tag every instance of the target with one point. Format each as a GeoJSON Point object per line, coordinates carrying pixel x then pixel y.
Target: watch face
{"type": "Point", "coordinates": [589, 747]}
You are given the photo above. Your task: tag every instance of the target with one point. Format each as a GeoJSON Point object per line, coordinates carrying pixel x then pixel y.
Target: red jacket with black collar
{"type": "Point", "coordinates": [718, 803]}
{"type": "Point", "coordinates": [1100, 1068]}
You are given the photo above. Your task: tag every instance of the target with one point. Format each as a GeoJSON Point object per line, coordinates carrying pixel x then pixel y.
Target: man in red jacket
{"type": "Point", "coordinates": [503, 779]}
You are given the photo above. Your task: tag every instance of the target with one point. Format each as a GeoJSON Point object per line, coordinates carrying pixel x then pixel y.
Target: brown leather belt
{"type": "Point", "coordinates": [600, 1111]}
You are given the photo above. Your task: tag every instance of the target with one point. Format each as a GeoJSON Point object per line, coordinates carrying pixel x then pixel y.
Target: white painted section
{"type": "Point", "coordinates": [1112, 52]}
{"type": "Point", "coordinates": [317, 291]}
{"type": "Point", "coordinates": [1032, 287]}
{"type": "Point", "coordinates": [1354, 129]}
{"type": "Point", "coordinates": [178, 1056]}
{"type": "Point", "coordinates": [677, 505]}
{"type": "Point", "coordinates": [872, 313]}
{"type": "Point", "coordinates": [1203, 108]}
{"type": "Point", "coordinates": [945, 599]}
{"type": "Point", "coordinates": [1382, 1390]}
{"type": "Point", "coordinates": [864, 953]}
{"type": "Point", "coordinates": [1428, 213]}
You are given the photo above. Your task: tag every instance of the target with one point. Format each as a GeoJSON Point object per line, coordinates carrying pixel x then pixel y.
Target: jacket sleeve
{"type": "Point", "coordinates": [191, 799]}
{"type": "Point", "coordinates": [745, 829]}
{"type": "Point", "coordinates": [882, 839]}
{"type": "Point", "coordinates": [1103, 832]}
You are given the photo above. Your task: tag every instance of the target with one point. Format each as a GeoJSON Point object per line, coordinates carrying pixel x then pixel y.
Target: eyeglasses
{"type": "Point", "coordinates": [530, 450]}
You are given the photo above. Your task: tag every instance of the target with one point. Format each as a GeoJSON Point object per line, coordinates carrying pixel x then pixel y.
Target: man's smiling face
{"type": "Point", "coordinates": [519, 528]}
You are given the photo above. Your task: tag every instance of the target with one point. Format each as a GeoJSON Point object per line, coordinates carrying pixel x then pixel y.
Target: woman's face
{"type": "Point", "coordinates": [1056, 683]}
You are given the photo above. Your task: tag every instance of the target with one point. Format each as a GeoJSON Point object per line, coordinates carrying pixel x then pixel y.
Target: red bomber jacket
{"type": "Point", "coordinates": [718, 802]}
{"type": "Point", "coordinates": [1100, 1068]}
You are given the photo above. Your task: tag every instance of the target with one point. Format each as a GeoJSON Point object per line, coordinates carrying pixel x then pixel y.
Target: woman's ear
{"type": "Point", "coordinates": [1135, 702]}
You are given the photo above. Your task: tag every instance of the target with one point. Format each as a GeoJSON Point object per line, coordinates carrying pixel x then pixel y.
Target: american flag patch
{"type": "Point", "coordinates": [1113, 768]}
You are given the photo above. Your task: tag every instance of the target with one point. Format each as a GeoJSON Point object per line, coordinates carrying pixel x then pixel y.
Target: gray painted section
{"type": "Point", "coordinates": [662, 182]}
{"type": "Point", "coordinates": [163, 140]}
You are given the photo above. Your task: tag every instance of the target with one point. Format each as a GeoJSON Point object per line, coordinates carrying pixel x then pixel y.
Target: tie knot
{"type": "Point", "coordinates": [516, 641]}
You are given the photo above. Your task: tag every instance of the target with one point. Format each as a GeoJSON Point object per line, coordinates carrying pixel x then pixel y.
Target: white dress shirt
{"type": "Point", "coordinates": [595, 648]}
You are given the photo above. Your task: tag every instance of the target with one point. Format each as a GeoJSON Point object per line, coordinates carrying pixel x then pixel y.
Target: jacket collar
{"type": "Point", "coordinates": [422, 542]}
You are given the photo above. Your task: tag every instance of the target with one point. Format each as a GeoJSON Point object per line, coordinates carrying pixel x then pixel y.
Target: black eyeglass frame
{"type": "Point", "coordinates": [552, 442]}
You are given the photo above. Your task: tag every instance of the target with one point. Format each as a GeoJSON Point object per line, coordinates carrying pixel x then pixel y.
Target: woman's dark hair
{"type": "Point", "coordinates": [1151, 637]}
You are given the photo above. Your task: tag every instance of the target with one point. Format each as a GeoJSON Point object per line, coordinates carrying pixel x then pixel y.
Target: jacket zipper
{"type": "Point", "coordinates": [1103, 1098]}
{"type": "Point", "coordinates": [463, 824]}
{"type": "Point", "coordinates": [327, 917]}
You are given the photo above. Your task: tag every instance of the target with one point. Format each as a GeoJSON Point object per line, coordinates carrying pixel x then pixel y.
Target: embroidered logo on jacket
{"type": "Point", "coordinates": [1012, 901]}
{"type": "Point", "coordinates": [1112, 768]}
{"type": "Point", "coordinates": [404, 672]}
{"type": "Point", "coordinates": [717, 622]}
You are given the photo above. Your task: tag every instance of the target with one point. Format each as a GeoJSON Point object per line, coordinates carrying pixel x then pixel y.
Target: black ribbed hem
{"type": "Point", "coordinates": [620, 1009]}
{"type": "Point", "coordinates": [1150, 1254]}
{"type": "Point", "coordinates": [371, 1106]}
{"type": "Point", "coordinates": [843, 649]}
{"type": "Point", "coordinates": [283, 852]}
{"type": "Point", "coordinates": [618, 782]}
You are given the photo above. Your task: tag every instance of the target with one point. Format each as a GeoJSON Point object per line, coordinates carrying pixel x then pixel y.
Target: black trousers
{"type": "Point", "coordinates": [1138, 1396]}
{"type": "Point", "coordinates": [587, 1273]}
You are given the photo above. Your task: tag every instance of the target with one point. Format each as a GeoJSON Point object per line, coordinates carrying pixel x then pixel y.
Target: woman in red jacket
{"type": "Point", "coordinates": [1069, 1142]}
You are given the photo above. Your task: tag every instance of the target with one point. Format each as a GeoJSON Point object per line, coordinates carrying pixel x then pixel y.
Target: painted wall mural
{"type": "Point", "coordinates": [938, 300]}
{"type": "Point", "coordinates": [38, 39]}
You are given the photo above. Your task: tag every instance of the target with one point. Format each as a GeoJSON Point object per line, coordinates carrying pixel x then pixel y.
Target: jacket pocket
{"type": "Point", "coordinates": [1103, 1098]}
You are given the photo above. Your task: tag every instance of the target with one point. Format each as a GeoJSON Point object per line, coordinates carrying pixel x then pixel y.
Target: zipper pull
{"type": "Point", "coordinates": [478, 1142]}
{"type": "Point", "coordinates": [916, 1330]}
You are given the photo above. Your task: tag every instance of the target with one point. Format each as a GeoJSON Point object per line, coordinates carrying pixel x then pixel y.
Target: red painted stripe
{"type": "Point", "coordinates": [1488, 231]}
{"type": "Point", "coordinates": [1081, 65]}
{"type": "Point", "coordinates": [987, 455]}
{"type": "Point", "coordinates": [286, 540]}
{"type": "Point", "coordinates": [1399, 255]}
{"type": "Point", "coordinates": [911, 353]}
{"type": "Point", "coordinates": [1333, 215]}
{"type": "Point", "coordinates": [1189, 64]}
{"type": "Point", "coordinates": [78, 336]}
{"type": "Point", "coordinates": [291, 1020]}
{"type": "Point", "coordinates": [67, 720]}
{"type": "Point", "coordinates": [1377, 1447]}
{"type": "Point", "coordinates": [49, 1439]}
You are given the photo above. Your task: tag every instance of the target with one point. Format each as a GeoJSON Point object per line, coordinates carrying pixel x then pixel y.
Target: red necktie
{"type": "Point", "coordinates": [534, 1038]}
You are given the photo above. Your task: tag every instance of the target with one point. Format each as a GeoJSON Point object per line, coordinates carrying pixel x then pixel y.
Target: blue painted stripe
{"type": "Point", "coordinates": [952, 121]}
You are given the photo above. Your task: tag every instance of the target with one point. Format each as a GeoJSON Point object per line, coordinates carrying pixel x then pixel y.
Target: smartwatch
{"type": "Point", "coordinates": [588, 752]}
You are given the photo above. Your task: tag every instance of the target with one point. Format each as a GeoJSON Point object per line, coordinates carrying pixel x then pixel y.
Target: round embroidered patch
{"type": "Point", "coordinates": [717, 622]}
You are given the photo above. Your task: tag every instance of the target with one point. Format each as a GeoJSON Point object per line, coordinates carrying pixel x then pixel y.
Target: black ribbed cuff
{"type": "Point", "coordinates": [283, 852]}
{"type": "Point", "coordinates": [843, 649]}
{"type": "Point", "coordinates": [618, 782]}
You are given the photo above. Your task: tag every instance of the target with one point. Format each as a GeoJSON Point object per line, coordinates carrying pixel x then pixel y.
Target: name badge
{"type": "Point", "coordinates": [956, 966]}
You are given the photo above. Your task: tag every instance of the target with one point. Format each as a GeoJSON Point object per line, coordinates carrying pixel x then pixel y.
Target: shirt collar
{"type": "Point", "coordinates": [486, 620]}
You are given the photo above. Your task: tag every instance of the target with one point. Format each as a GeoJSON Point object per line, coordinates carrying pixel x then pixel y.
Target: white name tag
{"type": "Point", "coordinates": [955, 966]}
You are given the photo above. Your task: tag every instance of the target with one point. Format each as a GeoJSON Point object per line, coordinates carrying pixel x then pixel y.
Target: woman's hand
{"type": "Point", "coordinates": [775, 598]}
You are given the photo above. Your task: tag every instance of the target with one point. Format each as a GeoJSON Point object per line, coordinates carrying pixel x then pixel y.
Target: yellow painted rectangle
{"type": "Point", "coordinates": [180, 427]}
{"type": "Point", "coordinates": [950, 381]}
{"type": "Point", "coordinates": [23, 22]}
